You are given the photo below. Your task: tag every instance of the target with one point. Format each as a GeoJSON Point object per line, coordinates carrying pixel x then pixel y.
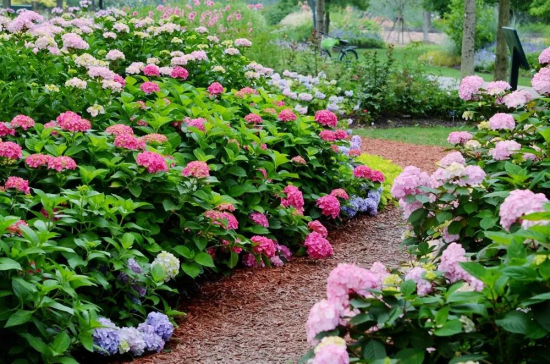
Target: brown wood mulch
{"type": "Point", "coordinates": [259, 315]}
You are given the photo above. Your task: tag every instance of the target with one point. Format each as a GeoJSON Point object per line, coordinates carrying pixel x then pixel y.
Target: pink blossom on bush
{"type": "Point", "coordinates": [128, 141]}
{"type": "Point", "coordinates": [242, 42]}
{"type": "Point", "coordinates": [151, 70]}
{"type": "Point", "coordinates": [449, 264]}
{"type": "Point", "coordinates": [497, 87]}
{"type": "Point", "coordinates": [409, 208]}
{"type": "Point", "coordinates": [215, 89]}
{"type": "Point", "coordinates": [459, 137]}
{"type": "Point", "coordinates": [517, 99]}
{"type": "Point", "coordinates": [367, 173]}
{"type": "Point", "coordinates": [286, 115]}
{"type": "Point", "coordinates": [541, 81]}
{"type": "Point", "coordinates": [179, 72]}
{"type": "Point", "coordinates": [119, 129]}
{"type": "Point", "coordinates": [408, 181]}
{"type": "Point", "coordinates": [18, 183]}
{"type": "Point", "coordinates": [331, 354]}
{"type": "Point", "coordinates": [472, 176]}
{"type": "Point", "coordinates": [16, 228]}
{"type": "Point", "coordinates": [149, 87]}
{"type": "Point", "coordinates": [154, 162]}
{"type": "Point", "coordinates": [196, 169]}
{"type": "Point", "coordinates": [504, 149]}
{"type": "Point", "coordinates": [22, 121]}
{"type": "Point", "coordinates": [10, 150]}
{"type": "Point", "coordinates": [518, 204]}
{"type": "Point", "coordinates": [340, 193]}
{"type": "Point", "coordinates": [154, 138]}
{"type": "Point", "coordinates": [501, 121]}
{"type": "Point", "coordinates": [329, 205]}
{"type": "Point", "coordinates": [453, 157]}
{"type": "Point", "coordinates": [259, 219]}
{"type": "Point", "coordinates": [253, 118]}
{"type": "Point", "coordinates": [317, 246]}
{"type": "Point", "coordinates": [223, 219]}
{"type": "Point", "coordinates": [61, 163]}
{"type": "Point", "coordinates": [469, 87]}
{"type": "Point", "coordinates": [114, 55]}
{"type": "Point", "coordinates": [37, 160]}
{"type": "Point", "coordinates": [6, 130]}
{"type": "Point", "coordinates": [250, 261]}
{"type": "Point", "coordinates": [226, 207]}
{"type": "Point", "coordinates": [341, 134]}
{"type": "Point", "coordinates": [293, 198]}
{"type": "Point", "coordinates": [544, 57]}
{"type": "Point", "coordinates": [326, 117]}
{"type": "Point", "coordinates": [73, 122]}
{"type": "Point", "coordinates": [423, 287]}
{"type": "Point", "coordinates": [317, 227]}
{"type": "Point", "coordinates": [263, 245]}
{"type": "Point", "coordinates": [323, 316]}
{"type": "Point", "coordinates": [328, 135]}
{"type": "Point", "coordinates": [196, 123]}
{"type": "Point", "coordinates": [349, 278]}
{"type": "Point", "coordinates": [299, 160]}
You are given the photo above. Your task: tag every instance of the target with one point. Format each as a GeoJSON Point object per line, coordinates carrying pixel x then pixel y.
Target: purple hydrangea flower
{"type": "Point", "coordinates": [134, 266]}
{"type": "Point", "coordinates": [344, 150]}
{"type": "Point", "coordinates": [153, 342]}
{"type": "Point", "coordinates": [162, 325]}
{"type": "Point", "coordinates": [131, 339]}
{"type": "Point", "coordinates": [141, 291]}
{"type": "Point", "coordinates": [107, 338]}
{"type": "Point", "coordinates": [350, 211]}
{"type": "Point", "coordinates": [375, 195]}
{"type": "Point", "coordinates": [372, 206]}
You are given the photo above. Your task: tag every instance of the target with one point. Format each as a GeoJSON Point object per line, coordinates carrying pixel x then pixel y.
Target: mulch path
{"type": "Point", "coordinates": [259, 315]}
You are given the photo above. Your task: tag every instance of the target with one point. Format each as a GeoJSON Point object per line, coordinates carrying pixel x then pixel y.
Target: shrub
{"type": "Point", "coordinates": [390, 170]}
{"type": "Point", "coordinates": [440, 58]}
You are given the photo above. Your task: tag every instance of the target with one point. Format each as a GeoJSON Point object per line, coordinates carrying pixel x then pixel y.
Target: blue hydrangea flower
{"type": "Point", "coordinates": [375, 195]}
{"type": "Point", "coordinates": [350, 211]}
{"type": "Point", "coordinates": [153, 342]}
{"type": "Point", "coordinates": [162, 325]}
{"type": "Point", "coordinates": [372, 206]}
{"type": "Point", "coordinates": [107, 338]}
{"type": "Point", "coordinates": [134, 266]}
{"type": "Point", "coordinates": [131, 339]}
{"type": "Point", "coordinates": [344, 150]}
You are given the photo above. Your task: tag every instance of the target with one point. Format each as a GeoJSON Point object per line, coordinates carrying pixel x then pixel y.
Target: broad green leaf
{"type": "Point", "coordinates": [19, 318]}
{"type": "Point", "coordinates": [205, 259]}
{"type": "Point", "coordinates": [9, 264]}
{"type": "Point", "coordinates": [374, 350]}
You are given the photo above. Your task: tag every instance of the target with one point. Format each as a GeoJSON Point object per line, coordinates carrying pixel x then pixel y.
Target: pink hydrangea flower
{"type": "Point", "coordinates": [341, 134]}
{"type": "Point", "coordinates": [259, 219]}
{"type": "Point", "coordinates": [349, 278]}
{"type": "Point", "coordinates": [317, 227]}
{"type": "Point", "coordinates": [196, 123]}
{"type": "Point", "coordinates": [149, 87]}
{"type": "Point", "coordinates": [37, 160]}
{"type": "Point", "coordinates": [449, 264]}
{"type": "Point", "coordinates": [423, 287]}
{"type": "Point", "coordinates": [329, 205]}
{"type": "Point", "coordinates": [114, 55]}
{"type": "Point", "coordinates": [326, 117]}
{"type": "Point", "coordinates": [263, 245]}
{"type": "Point", "coordinates": [367, 173]}
{"type": "Point", "coordinates": [409, 208]}
{"type": "Point", "coordinates": [472, 176]}
{"type": "Point", "coordinates": [501, 121]}
{"type": "Point", "coordinates": [61, 163]}
{"type": "Point", "coordinates": [215, 89]}
{"type": "Point", "coordinates": [504, 149]}
{"type": "Point", "coordinates": [517, 99]}
{"type": "Point", "coordinates": [453, 157]}
{"type": "Point", "coordinates": [408, 181]}
{"type": "Point", "coordinates": [250, 261]}
{"type": "Point", "coordinates": [323, 316]}
{"type": "Point", "coordinates": [10, 150]}
{"type": "Point", "coordinates": [253, 118]}
{"type": "Point", "coordinates": [340, 193]}
{"type": "Point", "coordinates": [154, 162]}
{"type": "Point", "coordinates": [497, 87]}
{"type": "Point", "coordinates": [541, 81]}
{"type": "Point", "coordinates": [151, 70]}
{"type": "Point", "coordinates": [331, 354]}
{"type": "Point", "coordinates": [328, 135]}
{"type": "Point", "coordinates": [154, 138]}
{"type": "Point", "coordinates": [73, 122]}
{"type": "Point", "coordinates": [15, 229]}
{"type": "Point", "coordinates": [22, 121]}
{"type": "Point", "coordinates": [293, 198]}
{"type": "Point", "coordinates": [119, 129]}
{"type": "Point", "coordinates": [299, 160]}
{"type": "Point", "coordinates": [223, 219]}
{"type": "Point", "coordinates": [469, 87]}
{"type": "Point", "coordinates": [226, 207]}
{"type": "Point", "coordinates": [317, 246]}
{"type": "Point", "coordinates": [544, 57]}
{"type": "Point", "coordinates": [6, 130]}
{"type": "Point", "coordinates": [518, 204]}
{"type": "Point", "coordinates": [128, 141]}
{"type": "Point", "coordinates": [196, 169]}
{"type": "Point", "coordinates": [18, 183]}
{"type": "Point", "coordinates": [459, 137]}
{"type": "Point", "coordinates": [179, 72]}
{"type": "Point", "coordinates": [120, 79]}
{"type": "Point", "coordinates": [286, 115]}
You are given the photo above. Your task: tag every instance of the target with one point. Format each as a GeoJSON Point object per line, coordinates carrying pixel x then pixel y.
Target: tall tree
{"type": "Point", "coordinates": [320, 8]}
{"type": "Point", "coordinates": [426, 25]}
{"type": "Point", "coordinates": [501, 55]}
{"type": "Point", "coordinates": [468, 38]}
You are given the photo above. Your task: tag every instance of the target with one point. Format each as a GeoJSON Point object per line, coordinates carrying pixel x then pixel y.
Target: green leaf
{"type": "Point", "coordinates": [374, 350]}
{"type": "Point", "coordinates": [514, 321]}
{"type": "Point", "coordinates": [411, 356]}
{"type": "Point", "coordinates": [86, 340]}
{"type": "Point", "coordinates": [135, 190]}
{"type": "Point", "coordinates": [233, 259]}
{"type": "Point", "coordinates": [205, 259]}
{"type": "Point", "coordinates": [449, 328]}
{"type": "Point", "coordinates": [169, 205]}
{"type": "Point", "coordinates": [237, 171]}
{"type": "Point", "coordinates": [19, 318]}
{"type": "Point", "coordinates": [184, 251]}
{"type": "Point", "coordinates": [61, 342]}
{"type": "Point", "coordinates": [408, 287]}
{"type": "Point", "coordinates": [476, 269]}
{"type": "Point", "coordinates": [520, 273]}
{"type": "Point", "coordinates": [8, 264]}
{"type": "Point", "coordinates": [536, 299]}
{"type": "Point", "coordinates": [192, 270]}
{"type": "Point", "coordinates": [488, 222]}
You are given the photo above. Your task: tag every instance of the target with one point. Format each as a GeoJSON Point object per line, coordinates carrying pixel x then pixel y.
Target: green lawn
{"type": "Point", "coordinates": [436, 135]}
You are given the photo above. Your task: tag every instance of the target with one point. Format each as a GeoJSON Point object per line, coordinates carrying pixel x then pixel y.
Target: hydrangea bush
{"type": "Point", "coordinates": [476, 289]}
{"type": "Point", "coordinates": [137, 153]}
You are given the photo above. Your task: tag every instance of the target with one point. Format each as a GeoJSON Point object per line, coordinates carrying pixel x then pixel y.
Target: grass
{"type": "Point", "coordinates": [436, 135]}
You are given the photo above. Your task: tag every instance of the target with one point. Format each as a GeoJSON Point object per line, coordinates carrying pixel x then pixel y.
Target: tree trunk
{"type": "Point", "coordinates": [501, 59]}
{"type": "Point", "coordinates": [327, 22]}
{"type": "Point", "coordinates": [320, 15]}
{"type": "Point", "coordinates": [468, 38]}
{"type": "Point", "coordinates": [426, 25]}
{"type": "Point", "coordinates": [312, 5]}
{"type": "Point", "coordinates": [6, 4]}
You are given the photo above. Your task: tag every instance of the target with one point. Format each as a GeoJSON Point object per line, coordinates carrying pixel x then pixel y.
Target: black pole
{"type": "Point", "coordinates": [514, 71]}
{"type": "Point", "coordinates": [101, 4]}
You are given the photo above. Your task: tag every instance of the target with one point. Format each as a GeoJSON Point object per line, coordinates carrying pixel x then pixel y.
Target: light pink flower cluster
{"type": "Point", "coordinates": [61, 163]}
{"type": "Point", "coordinates": [326, 117]}
{"type": "Point", "coordinates": [504, 149]}
{"type": "Point", "coordinates": [6, 130]}
{"type": "Point", "coordinates": [154, 138]}
{"type": "Point", "coordinates": [317, 246]}
{"type": "Point", "coordinates": [215, 89]}
{"type": "Point", "coordinates": [73, 122]}
{"type": "Point", "coordinates": [101, 72]}
{"type": "Point", "coordinates": [328, 135]}
{"type": "Point", "coordinates": [151, 70]}
{"type": "Point", "coordinates": [317, 227]}
{"type": "Point", "coordinates": [497, 87]}
{"type": "Point", "coordinates": [331, 354]}
{"type": "Point", "coordinates": [119, 129]}
{"type": "Point", "coordinates": [286, 115]}
{"type": "Point", "coordinates": [74, 41]}
{"type": "Point", "coordinates": [263, 245]}
{"type": "Point", "coordinates": [367, 173]}
{"type": "Point", "coordinates": [469, 87]}
{"type": "Point", "coordinates": [22, 121]}
{"type": "Point", "coordinates": [37, 160]}
{"type": "Point", "coordinates": [544, 57]}
{"type": "Point", "coordinates": [226, 207]}
{"type": "Point", "coordinates": [253, 118]}
{"type": "Point", "coordinates": [196, 123]}
{"type": "Point", "coordinates": [423, 287]}
{"type": "Point", "coordinates": [517, 99]}
{"type": "Point", "coordinates": [259, 219]}
{"type": "Point", "coordinates": [541, 81]}
{"type": "Point", "coordinates": [346, 279]}
{"type": "Point", "coordinates": [242, 42]}
{"type": "Point", "coordinates": [340, 193]}
{"type": "Point", "coordinates": [518, 204]}
{"type": "Point", "coordinates": [329, 205]}
{"type": "Point", "coordinates": [459, 137]}
{"type": "Point", "coordinates": [10, 150]}
{"type": "Point", "coordinates": [196, 169]}
{"type": "Point", "coordinates": [299, 160]}
{"type": "Point", "coordinates": [149, 87]}
{"type": "Point", "coordinates": [128, 141]}
{"type": "Point", "coordinates": [449, 264]}
{"type": "Point", "coordinates": [293, 198]}
{"type": "Point", "coordinates": [323, 316]}
{"type": "Point", "coordinates": [154, 162]}
{"type": "Point", "coordinates": [453, 157]}
{"type": "Point", "coordinates": [409, 181]}
{"type": "Point", "coordinates": [179, 72]}
{"type": "Point", "coordinates": [459, 174]}
{"type": "Point", "coordinates": [223, 219]}
{"type": "Point", "coordinates": [18, 183]}
{"type": "Point", "coordinates": [114, 55]}
{"type": "Point", "coordinates": [501, 121]}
